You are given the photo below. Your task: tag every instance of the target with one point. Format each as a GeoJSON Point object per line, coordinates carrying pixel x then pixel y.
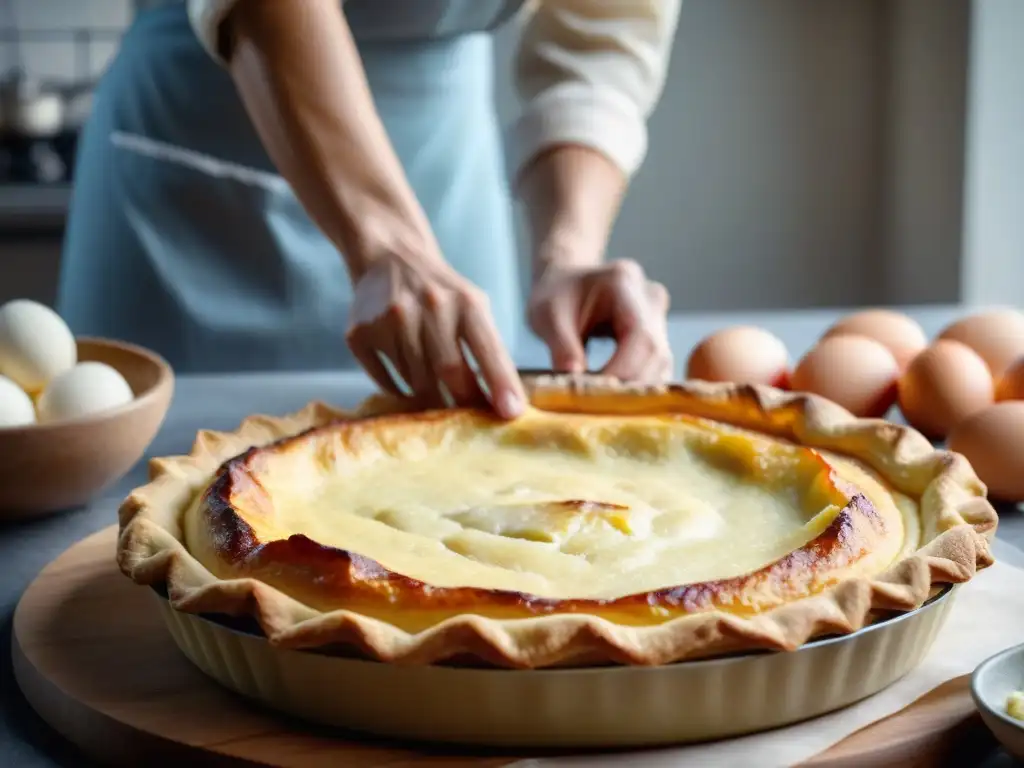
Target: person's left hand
{"type": "Point", "coordinates": [571, 304]}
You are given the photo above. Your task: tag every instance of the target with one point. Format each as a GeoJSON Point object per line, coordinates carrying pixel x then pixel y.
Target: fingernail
{"type": "Point", "coordinates": [511, 405]}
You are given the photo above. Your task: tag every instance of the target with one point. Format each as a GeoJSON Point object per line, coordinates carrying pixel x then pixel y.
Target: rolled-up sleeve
{"type": "Point", "coordinates": [206, 17]}
{"type": "Point", "coordinates": [590, 72]}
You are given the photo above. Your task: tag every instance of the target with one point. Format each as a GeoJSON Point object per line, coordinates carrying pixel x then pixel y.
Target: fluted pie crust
{"type": "Point", "coordinates": [610, 524]}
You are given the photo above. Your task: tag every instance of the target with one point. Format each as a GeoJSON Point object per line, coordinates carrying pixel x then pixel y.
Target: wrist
{"type": "Point", "coordinates": [565, 250]}
{"type": "Point", "coordinates": [377, 232]}
{"type": "Point", "coordinates": [572, 195]}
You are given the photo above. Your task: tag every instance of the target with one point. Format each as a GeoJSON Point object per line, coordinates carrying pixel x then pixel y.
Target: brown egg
{"type": "Point", "coordinates": [898, 333]}
{"type": "Point", "coordinates": [855, 372]}
{"type": "Point", "coordinates": [997, 335]}
{"type": "Point", "coordinates": [1011, 384]}
{"type": "Point", "coordinates": [742, 354]}
{"type": "Point", "coordinates": [944, 385]}
{"type": "Point", "coordinates": [992, 440]}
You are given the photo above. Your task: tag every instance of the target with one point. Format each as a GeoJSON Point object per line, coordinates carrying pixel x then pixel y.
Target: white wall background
{"type": "Point", "coordinates": [806, 152]}
{"type": "Point", "coordinates": [760, 188]}
{"type": "Point", "coordinates": [993, 266]}
{"type": "Point", "coordinates": [921, 167]}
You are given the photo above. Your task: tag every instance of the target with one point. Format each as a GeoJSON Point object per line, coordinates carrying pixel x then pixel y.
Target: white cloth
{"type": "Point", "coordinates": [589, 72]}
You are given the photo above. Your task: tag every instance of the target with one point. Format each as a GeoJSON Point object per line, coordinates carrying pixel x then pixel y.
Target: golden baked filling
{"type": "Point", "coordinates": [608, 523]}
{"type": "Point", "coordinates": [416, 519]}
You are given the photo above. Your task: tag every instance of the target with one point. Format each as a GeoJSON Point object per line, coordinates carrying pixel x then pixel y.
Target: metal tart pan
{"type": "Point", "coordinates": [613, 706]}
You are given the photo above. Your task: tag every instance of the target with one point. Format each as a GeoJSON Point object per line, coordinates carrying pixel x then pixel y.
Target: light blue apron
{"type": "Point", "coordinates": [182, 238]}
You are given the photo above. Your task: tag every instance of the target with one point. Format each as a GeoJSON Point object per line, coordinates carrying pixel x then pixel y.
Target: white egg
{"type": "Point", "coordinates": [86, 389]}
{"type": "Point", "coordinates": [16, 408]}
{"type": "Point", "coordinates": [35, 344]}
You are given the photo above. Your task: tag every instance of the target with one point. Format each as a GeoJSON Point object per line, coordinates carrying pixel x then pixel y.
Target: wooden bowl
{"type": "Point", "coordinates": [50, 467]}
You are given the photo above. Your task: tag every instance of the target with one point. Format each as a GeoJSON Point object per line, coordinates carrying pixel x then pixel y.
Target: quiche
{"type": "Point", "coordinates": [609, 524]}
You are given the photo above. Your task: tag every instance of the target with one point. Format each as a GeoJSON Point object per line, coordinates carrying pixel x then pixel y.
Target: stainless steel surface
{"type": "Point", "coordinates": [220, 402]}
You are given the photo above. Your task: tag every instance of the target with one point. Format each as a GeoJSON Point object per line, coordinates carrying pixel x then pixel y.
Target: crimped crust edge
{"type": "Point", "coordinates": [958, 522]}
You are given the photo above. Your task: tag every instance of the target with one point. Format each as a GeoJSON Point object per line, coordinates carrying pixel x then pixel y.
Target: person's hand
{"type": "Point", "coordinates": [571, 304]}
{"type": "Point", "coordinates": [417, 314]}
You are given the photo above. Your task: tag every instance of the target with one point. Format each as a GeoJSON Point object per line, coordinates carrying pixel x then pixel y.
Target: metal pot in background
{"type": "Point", "coordinates": [29, 109]}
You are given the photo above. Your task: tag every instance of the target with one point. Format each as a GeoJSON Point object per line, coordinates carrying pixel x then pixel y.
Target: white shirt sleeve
{"type": "Point", "coordinates": [590, 72]}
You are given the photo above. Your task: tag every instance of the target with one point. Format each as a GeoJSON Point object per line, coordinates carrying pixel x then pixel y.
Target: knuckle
{"type": "Point", "coordinates": [435, 297]}
{"type": "Point", "coordinates": [355, 334]}
{"type": "Point", "coordinates": [648, 342]}
{"type": "Point", "coordinates": [539, 322]}
{"type": "Point", "coordinates": [475, 300]}
{"type": "Point", "coordinates": [540, 312]}
{"type": "Point", "coordinates": [627, 269]}
{"type": "Point", "coordinates": [659, 293]}
{"type": "Point", "coordinates": [402, 307]}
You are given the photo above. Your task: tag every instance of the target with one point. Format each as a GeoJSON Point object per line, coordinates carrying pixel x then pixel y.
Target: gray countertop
{"type": "Point", "coordinates": [220, 403]}
{"type": "Point", "coordinates": [33, 207]}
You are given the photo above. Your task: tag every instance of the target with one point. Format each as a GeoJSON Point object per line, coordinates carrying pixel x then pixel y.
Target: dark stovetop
{"type": "Point", "coordinates": [35, 181]}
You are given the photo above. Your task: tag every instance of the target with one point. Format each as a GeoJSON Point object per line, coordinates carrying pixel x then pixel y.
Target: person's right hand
{"type": "Point", "coordinates": [417, 314]}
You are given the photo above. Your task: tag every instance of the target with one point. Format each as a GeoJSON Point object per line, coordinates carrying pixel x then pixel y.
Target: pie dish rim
{"type": "Point", "coordinates": [624, 706]}
{"type": "Point", "coordinates": [947, 592]}
{"type": "Point", "coordinates": [150, 553]}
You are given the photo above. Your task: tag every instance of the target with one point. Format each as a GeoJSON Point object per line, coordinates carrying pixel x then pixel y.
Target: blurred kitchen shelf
{"type": "Point", "coordinates": [33, 207]}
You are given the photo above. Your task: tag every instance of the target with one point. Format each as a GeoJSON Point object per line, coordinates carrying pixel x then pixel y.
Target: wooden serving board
{"type": "Point", "coordinates": [94, 659]}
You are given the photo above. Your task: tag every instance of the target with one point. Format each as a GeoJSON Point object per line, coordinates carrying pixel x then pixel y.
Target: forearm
{"type": "Point", "coordinates": [572, 195]}
{"type": "Point", "coordinates": [301, 79]}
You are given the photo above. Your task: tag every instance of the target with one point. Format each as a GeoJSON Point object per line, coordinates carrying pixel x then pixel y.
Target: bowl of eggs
{"type": "Point", "coordinates": [75, 414]}
{"type": "Point", "coordinates": [964, 387]}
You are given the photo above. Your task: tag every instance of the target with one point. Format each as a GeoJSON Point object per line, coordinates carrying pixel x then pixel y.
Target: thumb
{"type": "Point", "coordinates": [562, 336]}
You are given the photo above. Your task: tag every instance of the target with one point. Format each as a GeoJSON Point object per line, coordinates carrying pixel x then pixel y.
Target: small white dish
{"type": "Point", "coordinates": [991, 685]}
